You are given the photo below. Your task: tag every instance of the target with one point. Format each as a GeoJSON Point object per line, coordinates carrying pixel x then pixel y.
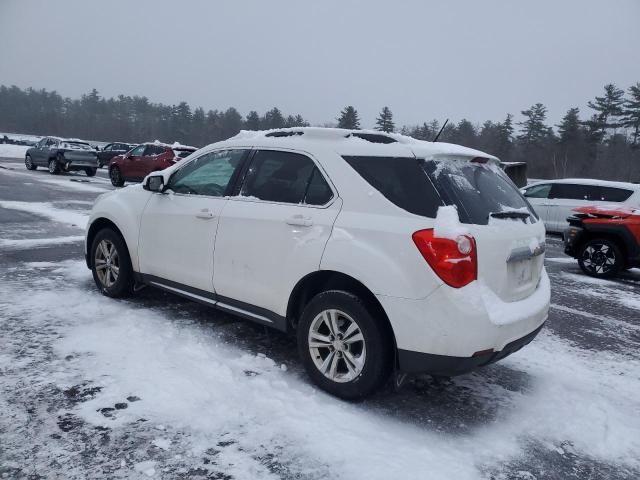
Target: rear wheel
{"type": "Point", "coordinates": [90, 171]}
{"type": "Point", "coordinates": [54, 168]}
{"type": "Point", "coordinates": [28, 162]}
{"type": "Point", "coordinates": [111, 264]}
{"type": "Point", "coordinates": [345, 349]}
{"type": "Point", "coordinates": [116, 177]}
{"type": "Point", "coordinates": [600, 257]}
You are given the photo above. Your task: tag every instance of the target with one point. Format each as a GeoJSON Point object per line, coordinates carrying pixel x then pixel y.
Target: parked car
{"type": "Point", "coordinates": [554, 200]}
{"type": "Point", "coordinates": [144, 159]}
{"type": "Point", "coordinates": [382, 252]}
{"type": "Point", "coordinates": [62, 154]}
{"type": "Point", "coordinates": [604, 240]}
{"type": "Point", "coordinates": [110, 150]}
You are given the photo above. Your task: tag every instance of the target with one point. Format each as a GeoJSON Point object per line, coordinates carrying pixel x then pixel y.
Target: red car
{"type": "Point", "coordinates": [140, 161]}
{"type": "Point", "coordinates": [605, 240]}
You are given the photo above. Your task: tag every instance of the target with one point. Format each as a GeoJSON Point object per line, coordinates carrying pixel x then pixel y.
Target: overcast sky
{"type": "Point", "coordinates": [459, 59]}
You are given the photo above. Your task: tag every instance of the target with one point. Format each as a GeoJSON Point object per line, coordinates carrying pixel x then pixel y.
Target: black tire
{"type": "Point", "coordinates": [600, 258]}
{"type": "Point", "coordinates": [28, 162]}
{"type": "Point", "coordinates": [116, 177]}
{"type": "Point", "coordinates": [54, 167]}
{"type": "Point", "coordinates": [90, 171]}
{"type": "Point", "coordinates": [377, 341]}
{"type": "Point", "coordinates": [123, 285]}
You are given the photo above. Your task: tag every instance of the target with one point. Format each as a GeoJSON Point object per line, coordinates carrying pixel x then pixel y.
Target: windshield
{"type": "Point", "coordinates": [478, 190]}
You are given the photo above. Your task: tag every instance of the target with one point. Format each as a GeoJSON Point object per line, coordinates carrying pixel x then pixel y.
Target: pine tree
{"type": "Point", "coordinates": [505, 138]}
{"type": "Point", "coordinates": [534, 130]}
{"type": "Point", "coordinates": [349, 118]}
{"type": "Point", "coordinates": [273, 119]}
{"type": "Point", "coordinates": [252, 121]}
{"type": "Point", "coordinates": [631, 112]}
{"type": "Point", "coordinates": [608, 108]}
{"type": "Point", "coordinates": [570, 127]}
{"type": "Point", "coordinates": [384, 122]}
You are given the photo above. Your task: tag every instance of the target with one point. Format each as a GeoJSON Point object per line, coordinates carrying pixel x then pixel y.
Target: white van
{"type": "Point", "coordinates": [553, 200]}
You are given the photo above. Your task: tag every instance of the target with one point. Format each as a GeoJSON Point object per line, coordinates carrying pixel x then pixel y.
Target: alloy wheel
{"type": "Point", "coordinates": [107, 263]}
{"type": "Point", "coordinates": [28, 162]}
{"type": "Point", "coordinates": [599, 258]}
{"type": "Point", "coordinates": [337, 346]}
{"type": "Point", "coordinates": [52, 166]}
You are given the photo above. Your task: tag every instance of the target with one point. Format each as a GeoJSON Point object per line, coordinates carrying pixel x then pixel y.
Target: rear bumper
{"type": "Point", "coordinates": [448, 366]}
{"type": "Point", "coordinates": [458, 329]}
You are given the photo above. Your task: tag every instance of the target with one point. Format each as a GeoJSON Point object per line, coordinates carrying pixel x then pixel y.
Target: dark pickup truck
{"type": "Point", "coordinates": [111, 150]}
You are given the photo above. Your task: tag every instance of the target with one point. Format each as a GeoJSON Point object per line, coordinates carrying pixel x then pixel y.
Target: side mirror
{"type": "Point", "coordinates": [154, 183]}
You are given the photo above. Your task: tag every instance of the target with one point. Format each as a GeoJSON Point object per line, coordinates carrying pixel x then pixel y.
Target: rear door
{"type": "Point", "coordinates": [274, 232]}
{"type": "Point", "coordinates": [509, 237]}
{"type": "Point", "coordinates": [178, 227]}
{"type": "Point", "coordinates": [564, 197]}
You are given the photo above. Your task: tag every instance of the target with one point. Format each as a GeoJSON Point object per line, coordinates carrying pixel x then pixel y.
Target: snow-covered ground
{"type": "Point", "coordinates": [159, 387]}
{"type": "Point", "coordinates": [13, 151]}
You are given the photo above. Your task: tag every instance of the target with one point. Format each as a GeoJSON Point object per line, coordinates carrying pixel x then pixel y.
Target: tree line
{"type": "Point", "coordinates": [604, 144]}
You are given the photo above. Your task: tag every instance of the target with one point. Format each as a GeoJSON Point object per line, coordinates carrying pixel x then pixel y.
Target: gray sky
{"type": "Point", "coordinates": [455, 58]}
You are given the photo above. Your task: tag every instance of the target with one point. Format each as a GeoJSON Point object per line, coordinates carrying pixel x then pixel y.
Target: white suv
{"type": "Point", "coordinates": [382, 252]}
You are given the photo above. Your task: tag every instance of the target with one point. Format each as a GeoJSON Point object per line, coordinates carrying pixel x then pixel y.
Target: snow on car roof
{"type": "Point", "coordinates": [589, 181]}
{"type": "Point", "coordinates": [353, 142]}
{"type": "Point", "coordinates": [174, 145]}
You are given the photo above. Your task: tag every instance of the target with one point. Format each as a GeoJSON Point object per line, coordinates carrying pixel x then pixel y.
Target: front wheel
{"type": "Point", "coordinates": [345, 349]}
{"type": "Point", "coordinates": [90, 171]}
{"type": "Point", "coordinates": [601, 258]}
{"type": "Point", "coordinates": [116, 177]}
{"type": "Point", "coordinates": [54, 168]}
{"type": "Point", "coordinates": [111, 264]}
{"type": "Point", "coordinates": [28, 162]}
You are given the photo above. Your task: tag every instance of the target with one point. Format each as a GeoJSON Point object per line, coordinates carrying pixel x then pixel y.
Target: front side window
{"type": "Point", "coordinates": [285, 177]}
{"type": "Point", "coordinates": [538, 191]}
{"type": "Point", "coordinates": [209, 174]}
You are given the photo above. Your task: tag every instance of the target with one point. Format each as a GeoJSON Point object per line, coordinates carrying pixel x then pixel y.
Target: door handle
{"type": "Point", "coordinates": [299, 220]}
{"type": "Point", "coordinates": [205, 214]}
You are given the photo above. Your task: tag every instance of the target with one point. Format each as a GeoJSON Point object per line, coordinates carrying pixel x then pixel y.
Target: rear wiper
{"type": "Point", "coordinates": [510, 214]}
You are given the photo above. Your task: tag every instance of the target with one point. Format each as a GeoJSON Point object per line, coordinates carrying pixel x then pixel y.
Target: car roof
{"type": "Point", "coordinates": [174, 145]}
{"type": "Point", "coordinates": [589, 181]}
{"type": "Point", "coordinates": [347, 142]}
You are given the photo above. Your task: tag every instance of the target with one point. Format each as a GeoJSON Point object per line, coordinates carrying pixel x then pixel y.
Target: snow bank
{"type": "Point", "coordinates": [22, 243]}
{"type": "Point", "coordinates": [13, 151]}
{"type": "Point", "coordinates": [44, 209]}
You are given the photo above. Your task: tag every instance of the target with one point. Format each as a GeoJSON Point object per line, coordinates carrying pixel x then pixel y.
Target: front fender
{"type": "Point", "coordinates": [123, 208]}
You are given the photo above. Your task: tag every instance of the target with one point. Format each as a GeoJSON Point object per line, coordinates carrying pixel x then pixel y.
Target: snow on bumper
{"type": "Point", "coordinates": [461, 322]}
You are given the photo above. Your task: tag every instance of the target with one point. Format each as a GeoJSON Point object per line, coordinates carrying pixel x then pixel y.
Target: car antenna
{"type": "Point", "coordinates": [438, 135]}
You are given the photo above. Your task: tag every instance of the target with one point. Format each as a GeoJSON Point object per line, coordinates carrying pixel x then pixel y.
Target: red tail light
{"type": "Point", "coordinates": [454, 261]}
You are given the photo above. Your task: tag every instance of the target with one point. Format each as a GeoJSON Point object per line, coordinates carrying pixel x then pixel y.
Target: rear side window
{"type": "Point", "coordinates": [402, 180]}
{"type": "Point", "coordinates": [285, 177]}
{"type": "Point", "coordinates": [613, 194]}
{"type": "Point", "coordinates": [571, 191]}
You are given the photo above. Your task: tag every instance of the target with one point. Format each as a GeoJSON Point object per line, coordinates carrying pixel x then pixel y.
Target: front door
{"type": "Point", "coordinates": [132, 163]}
{"type": "Point", "coordinates": [274, 232]}
{"type": "Point", "coordinates": [178, 227]}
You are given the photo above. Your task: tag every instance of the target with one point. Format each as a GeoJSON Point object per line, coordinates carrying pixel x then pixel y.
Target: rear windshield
{"type": "Point", "coordinates": [75, 145]}
{"type": "Point", "coordinates": [420, 186]}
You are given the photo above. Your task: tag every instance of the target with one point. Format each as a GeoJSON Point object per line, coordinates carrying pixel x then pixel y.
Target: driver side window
{"type": "Point", "coordinates": [209, 174]}
{"type": "Point", "coordinates": [138, 151]}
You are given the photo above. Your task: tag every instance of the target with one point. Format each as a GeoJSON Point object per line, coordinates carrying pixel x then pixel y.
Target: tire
{"type": "Point", "coordinates": [600, 258]}
{"type": "Point", "coordinates": [116, 177]}
{"type": "Point", "coordinates": [28, 162]}
{"type": "Point", "coordinates": [90, 171]}
{"type": "Point", "coordinates": [109, 251]}
{"type": "Point", "coordinates": [54, 168]}
{"type": "Point", "coordinates": [361, 366]}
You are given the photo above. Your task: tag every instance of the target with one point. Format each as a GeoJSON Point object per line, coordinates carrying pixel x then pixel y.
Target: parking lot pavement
{"type": "Point", "coordinates": [160, 387]}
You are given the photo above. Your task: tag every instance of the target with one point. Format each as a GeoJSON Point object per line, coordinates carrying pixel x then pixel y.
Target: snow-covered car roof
{"type": "Point", "coordinates": [174, 145]}
{"type": "Point", "coordinates": [589, 181]}
{"type": "Point", "coordinates": [350, 142]}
